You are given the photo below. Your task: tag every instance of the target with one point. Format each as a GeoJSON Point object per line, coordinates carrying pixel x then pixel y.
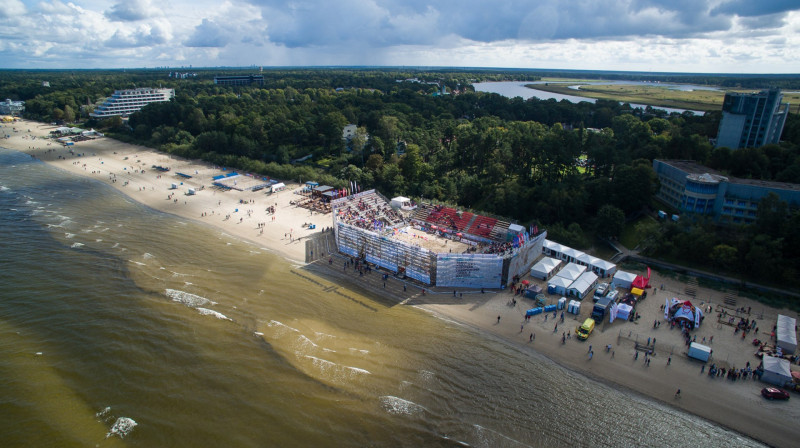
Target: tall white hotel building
{"type": "Point", "coordinates": [125, 102]}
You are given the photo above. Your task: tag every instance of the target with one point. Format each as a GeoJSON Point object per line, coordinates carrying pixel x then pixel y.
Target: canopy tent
{"type": "Point", "coordinates": [685, 312]}
{"type": "Point", "coordinates": [545, 268]}
{"type": "Point", "coordinates": [624, 311]}
{"type": "Point", "coordinates": [532, 291]}
{"type": "Point", "coordinates": [636, 291]}
{"type": "Point", "coordinates": [787, 338]}
{"type": "Point", "coordinates": [280, 186]}
{"type": "Point", "coordinates": [402, 202]}
{"type": "Point", "coordinates": [571, 271]}
{"type": "Point", "coordinates": [624, 279]}
{"type": "Point", "coordinates": [776, 371]}
{"type": "Point", "coordinates": [641, 281]}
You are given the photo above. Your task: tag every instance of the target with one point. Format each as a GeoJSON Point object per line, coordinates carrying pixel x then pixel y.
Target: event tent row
{"type": "Point", "coordinates": [786, 336]}
{"type": "Point", "coordinates": [600, 267]}
{"type": "Point", "coordinates": [572, 280]}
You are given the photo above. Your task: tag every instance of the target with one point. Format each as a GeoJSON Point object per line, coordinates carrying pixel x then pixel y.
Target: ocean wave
{"type": "Point", "coordinates": [138, 262]}
{"type": "Point", "coordinates": [275, 323]}
{"type": "Point", "coordinates": [358, 350]}
{"type": "Point", "coordinates": [122, 427]}
{"type": "Point", "coordinates": [76, 245]}
{"type": "Point", "coordinates": [4, 188]}
{"type": "Point", "coordinates": [399, 406]}
{"type": "Point", "coordinates": [69, 235]}
{"type": "Point", "coordinates": [208, 312]}
{"type": "Point", "coordinates": [147, 256]}
{"type": "Point", "coordinates": [188, 299]}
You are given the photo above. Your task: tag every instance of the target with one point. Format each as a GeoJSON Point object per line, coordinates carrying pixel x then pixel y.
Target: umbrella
{"type": "Point", "coordinates": [525, 282]}
{"type": "Point", "coordinates": [458, 234]}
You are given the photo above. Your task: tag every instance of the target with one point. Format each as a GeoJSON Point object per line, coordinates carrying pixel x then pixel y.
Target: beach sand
{"type": "Point", "coordinates": [736, 405]}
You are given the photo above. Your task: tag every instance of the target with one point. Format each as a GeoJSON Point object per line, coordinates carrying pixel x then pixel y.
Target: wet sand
{"type": "Point", "coordinates": [736, 405]}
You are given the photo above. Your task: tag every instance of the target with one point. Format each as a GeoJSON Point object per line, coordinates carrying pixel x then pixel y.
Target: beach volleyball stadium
{"type": "Point", "coordinates": [433, 244]}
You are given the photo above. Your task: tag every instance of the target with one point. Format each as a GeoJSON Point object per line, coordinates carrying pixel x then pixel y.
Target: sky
{"type": "Point", "coordinates": [705, 36]}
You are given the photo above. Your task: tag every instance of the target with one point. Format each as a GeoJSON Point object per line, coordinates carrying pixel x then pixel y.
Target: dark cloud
{"type": "Point", "coordinates": [208, 34]}
{"type": "Point", "coordinates": [386, 22]}
{"type": "Point", "coordinates": [131, 10]}
{"type": "Point", "coordinates": [751, 8]}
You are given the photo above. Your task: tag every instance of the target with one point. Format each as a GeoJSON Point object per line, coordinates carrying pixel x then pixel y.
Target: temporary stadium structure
{"type": "Point", "coordinates": [366, 227]}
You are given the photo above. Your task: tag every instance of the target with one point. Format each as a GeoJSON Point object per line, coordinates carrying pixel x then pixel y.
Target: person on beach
{"type": "Point", "coordinates": [498, 319]}
{"type": "Point", "coordinates": [678, 393]}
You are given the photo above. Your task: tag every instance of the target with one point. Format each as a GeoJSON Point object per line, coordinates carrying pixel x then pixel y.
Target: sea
{"type": "Point", "coordinates": [124, 326]}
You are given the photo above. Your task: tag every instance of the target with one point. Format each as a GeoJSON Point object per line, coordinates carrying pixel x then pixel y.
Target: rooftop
{"type": "Point", "coordinates": [693, 168]}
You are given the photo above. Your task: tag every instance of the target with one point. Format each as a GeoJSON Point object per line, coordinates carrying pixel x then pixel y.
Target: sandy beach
{"type": "Point", "coordinates": [243, 214]}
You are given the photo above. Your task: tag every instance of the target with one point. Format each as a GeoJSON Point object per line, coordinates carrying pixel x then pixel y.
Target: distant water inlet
{"type": "Point", "coordinates": [512, 89]}
{"type": "Point", "coordinates": [165, 333]}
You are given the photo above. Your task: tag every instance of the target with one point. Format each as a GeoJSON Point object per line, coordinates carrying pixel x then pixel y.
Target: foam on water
{"type": "Point", "coordinates": [276, 324]}
{"type": "Point", "coordinates": [122, 427]}
{"type": "Point", "coordinates": [147, 256]}
{"type": "Point", "coordinates": [137, 262]}
{"type": "Point", "coordinates": [304, 341]}
{"type": "Point", "coordinates": [208, 312]}
{"type": "Point", "coordinates": [4, 188]}
{"type": "Point", "coordinates": [115, 245]}
{"type": "Point", "coordinates": [103, 413]}
{"type": "Point", "coordinates": [69, 235]}
{"type": "Point", "coordinates": [359, 351]}
{"type": "Point", "coordinates": [76, 245]}
{"type": "Point", "coordinates": [188, 299]}
{"type": "Point", "coordinates": [98, 240]}
{"type": "Point", "coordinates": [399, 406]}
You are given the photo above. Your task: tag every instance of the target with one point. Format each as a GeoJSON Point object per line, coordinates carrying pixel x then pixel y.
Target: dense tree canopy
{"type": "Point", "coordinates": [568, 167]}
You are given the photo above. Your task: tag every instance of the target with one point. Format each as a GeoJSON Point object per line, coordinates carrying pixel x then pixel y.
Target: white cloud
{"type": "Point", "coordinates": [677, 35]}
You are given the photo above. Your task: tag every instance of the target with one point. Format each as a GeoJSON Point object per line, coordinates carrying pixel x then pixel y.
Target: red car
{"type": "Point", "coordinates": [773, 393]}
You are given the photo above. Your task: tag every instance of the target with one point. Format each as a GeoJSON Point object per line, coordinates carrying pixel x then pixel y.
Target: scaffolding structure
{"type": "Point", "coordinates": [469, 270]}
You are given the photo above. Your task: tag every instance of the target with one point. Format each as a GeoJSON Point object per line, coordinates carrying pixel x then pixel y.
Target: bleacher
{"type": "Point", "coordinates": [499, 231]}
{"type": "Point", "coordinates": [482, 226]}
{"type": "Point", "coordinates": [370, 211]}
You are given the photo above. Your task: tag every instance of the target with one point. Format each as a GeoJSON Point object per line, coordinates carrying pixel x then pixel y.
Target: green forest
{"type": "Point", "coordinates": [582, 171]}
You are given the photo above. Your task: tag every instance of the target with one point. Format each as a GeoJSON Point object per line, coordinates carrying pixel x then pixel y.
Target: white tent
{"type": "Point", "coordinates": [571, 255]}
{"type": "Point", "coordinates": [558, 285]}
{"type": "Point", "coordinates": [624, 279]}
{"type": "Point", "coordinates": [280, 186]}
{"type": "Point", "coordinates": [624, 311]}
{"type": "Point", "coordinates": [402, 202]}
{"type": "Point", "coordinates": [571, 272]}
{"type": "Point", "coordinates": [583, 284]}
{"type": "Point", "coordinates": [787, 338]}
{"type": "Point", "coordinates": [776, 371]}
{"type": "Point", "coordinates": [545, 268]}
{"type": "Point", "coordinates": [603, 268]}
{"type": "Point", "coordinates": [552, 248]}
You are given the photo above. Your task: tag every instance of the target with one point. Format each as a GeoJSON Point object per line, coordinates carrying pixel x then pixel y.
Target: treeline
{"type": "Point", "coordinates": [579, 170]}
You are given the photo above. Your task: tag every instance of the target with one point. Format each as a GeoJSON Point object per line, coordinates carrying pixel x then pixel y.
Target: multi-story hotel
{"type": "Point", "coordinates": [751, 120]}
{"type": "Point", "coordinates": [125, 102]}
{"type": "Point", "coordinates": [699, 190]}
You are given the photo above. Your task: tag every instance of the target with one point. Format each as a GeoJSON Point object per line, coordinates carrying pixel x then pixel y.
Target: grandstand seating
{"type": "Point", "coordinates": [482, 226]}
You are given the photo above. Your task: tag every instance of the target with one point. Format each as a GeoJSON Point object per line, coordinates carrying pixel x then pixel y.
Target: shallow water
{"type": "Point", "coordinates": [120, 325]}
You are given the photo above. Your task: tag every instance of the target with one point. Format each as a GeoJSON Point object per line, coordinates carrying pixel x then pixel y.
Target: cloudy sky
{"type": "Point", "coordinates": [732, 36]}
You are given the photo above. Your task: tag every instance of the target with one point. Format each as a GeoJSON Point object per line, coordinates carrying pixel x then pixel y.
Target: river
{"type": "Point", "coordinates": [513, 89]}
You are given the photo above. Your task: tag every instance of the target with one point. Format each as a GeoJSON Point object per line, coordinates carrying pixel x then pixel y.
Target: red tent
{"type": "Point", "coordinates": [641, 282]}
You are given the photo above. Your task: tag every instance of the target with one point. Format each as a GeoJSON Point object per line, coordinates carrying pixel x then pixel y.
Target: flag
{"type": "Point", "coordinates": [648, 272]}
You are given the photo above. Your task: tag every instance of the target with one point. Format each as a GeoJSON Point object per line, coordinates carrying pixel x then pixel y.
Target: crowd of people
{"type": "Point", "coordinates": [369, 212]}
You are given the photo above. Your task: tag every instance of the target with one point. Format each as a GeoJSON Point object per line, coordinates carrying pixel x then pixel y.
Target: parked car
{"type": "Point", "coordinates": [773, 393]}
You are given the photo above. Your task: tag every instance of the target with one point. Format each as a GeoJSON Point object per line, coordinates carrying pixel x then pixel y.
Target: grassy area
{"type": "Point", "coordinates": [652, 95]}
{"type": "Point", "coordinates": [629, 237]}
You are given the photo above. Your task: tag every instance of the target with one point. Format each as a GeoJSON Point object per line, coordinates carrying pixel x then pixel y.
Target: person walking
{"type": "Point", "coordinates": [678, 393]}
{"type": "Point", "coordinates": [498, 319]}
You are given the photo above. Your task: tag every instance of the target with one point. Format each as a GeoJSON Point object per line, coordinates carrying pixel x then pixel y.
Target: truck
{"type": "Point", "coordinates": [601, 291]}
{"type": "Point", "coordinates": [586, 329]}
{"type": "Point", "coordinates": [601, 308]}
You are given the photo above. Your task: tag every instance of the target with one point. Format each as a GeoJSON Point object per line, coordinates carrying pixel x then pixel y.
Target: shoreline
{"type": "Point", "coordinates": [733, 405]}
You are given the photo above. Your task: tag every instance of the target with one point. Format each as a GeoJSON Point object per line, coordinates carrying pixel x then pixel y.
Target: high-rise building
{"type": "Point", "coordinates": [125, 102]}
{"type": "Point", "coordinates": [750, 120]}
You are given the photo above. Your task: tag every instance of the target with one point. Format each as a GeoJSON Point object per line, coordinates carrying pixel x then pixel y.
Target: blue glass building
{"type": "Point", "coordinates": [698, 190]}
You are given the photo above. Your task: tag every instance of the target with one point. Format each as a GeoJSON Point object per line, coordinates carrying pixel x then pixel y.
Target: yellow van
{"type": "Point", "coordinates": [586, 329]}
